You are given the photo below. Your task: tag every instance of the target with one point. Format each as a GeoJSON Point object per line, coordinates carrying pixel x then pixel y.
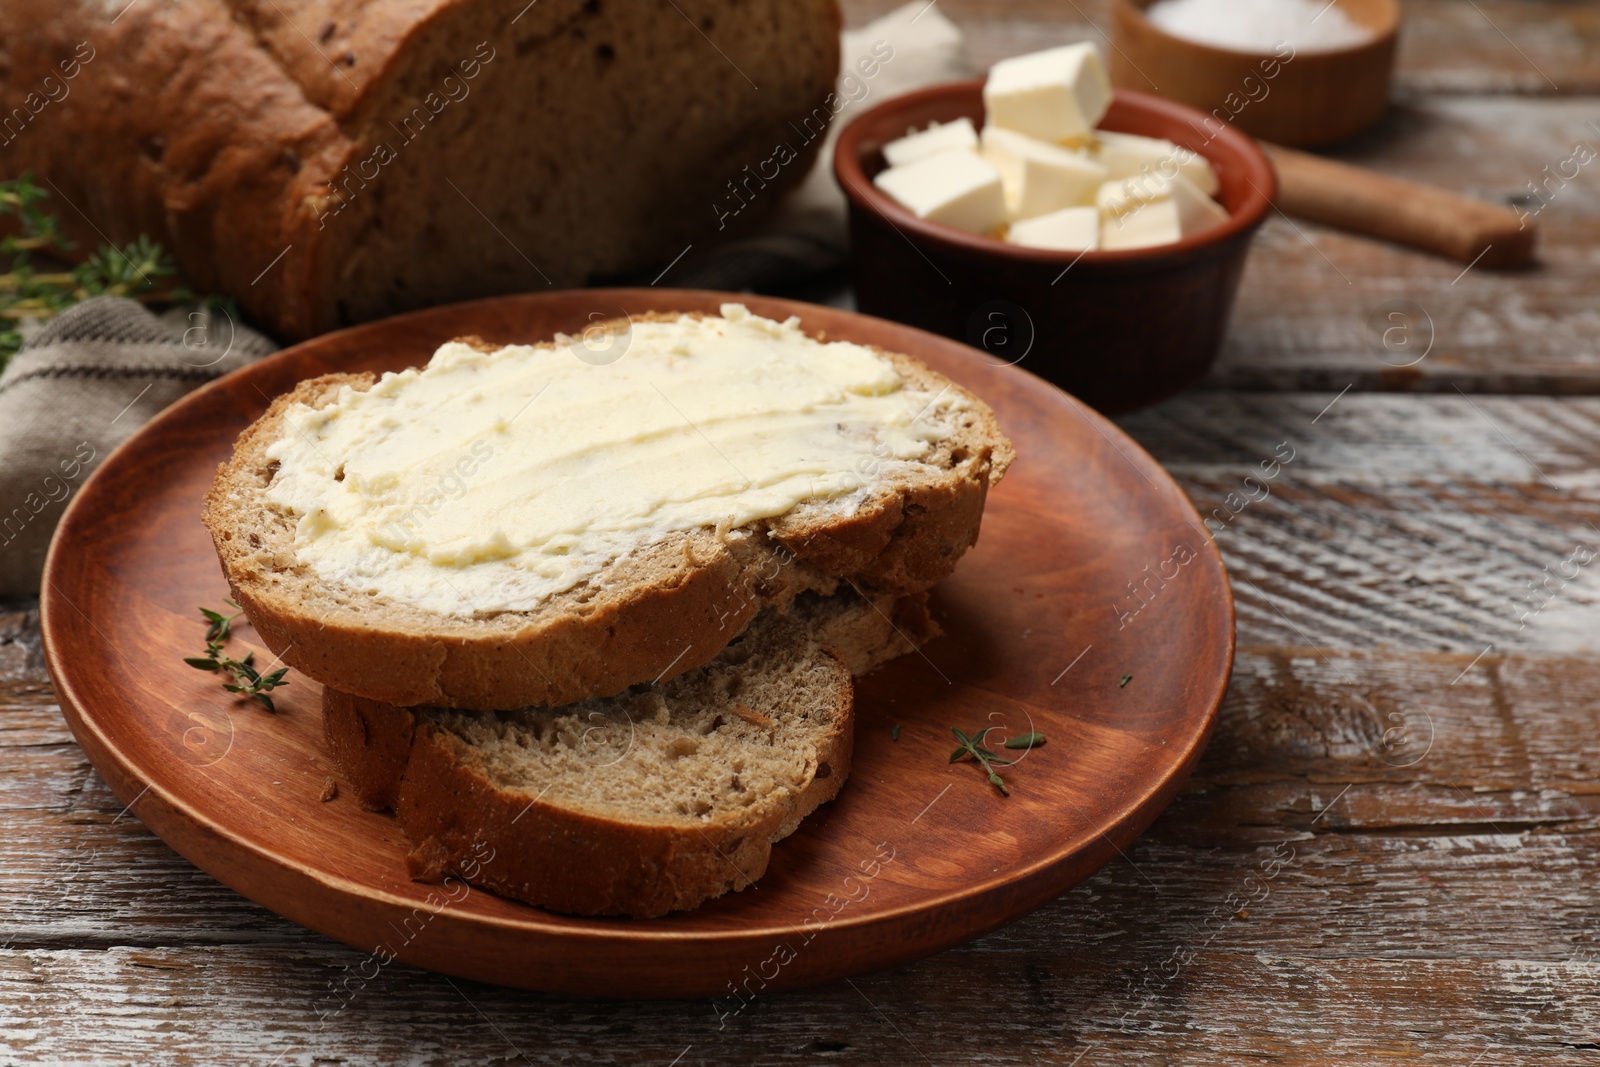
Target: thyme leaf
{"type": "Point", "coordinates": [139, 269]}
{"type": "Point", "coordinates": [971, 747]}
{"type": "Point", "coordinates": [244, 679]}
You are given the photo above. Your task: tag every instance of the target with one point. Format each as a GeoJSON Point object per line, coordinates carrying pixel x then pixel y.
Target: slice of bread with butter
{"type": "Point", "coordinates": [516, 526]}
{"type": "Point", "coordinates": [651, 801]}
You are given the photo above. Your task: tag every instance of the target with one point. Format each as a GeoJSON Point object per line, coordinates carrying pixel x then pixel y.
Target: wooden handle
{"type": "Point", "coordinates": [1422, 216]}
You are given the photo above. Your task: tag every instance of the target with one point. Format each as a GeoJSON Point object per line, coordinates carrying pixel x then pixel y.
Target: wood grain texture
{"type": "Point", "coordinates": [1437, 523]}
{"type": "Point", "coordinates": [1307, 899]}
{"type": "Point", "coordinates": [1532, 47]}
{"type": "Point", "coordinates": [1314, 303]}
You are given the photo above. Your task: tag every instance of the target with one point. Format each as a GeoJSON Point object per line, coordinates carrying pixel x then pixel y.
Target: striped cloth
{"type": "Point", "coordinates": [80, 386]}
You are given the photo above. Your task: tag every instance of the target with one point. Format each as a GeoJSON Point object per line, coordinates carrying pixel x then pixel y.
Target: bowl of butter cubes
{"type": "Point", "coordinates": [1095, 237]}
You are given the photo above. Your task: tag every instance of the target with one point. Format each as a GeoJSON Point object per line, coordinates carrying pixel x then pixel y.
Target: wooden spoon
{"type": "Point", "coordinates": [1422, 216]}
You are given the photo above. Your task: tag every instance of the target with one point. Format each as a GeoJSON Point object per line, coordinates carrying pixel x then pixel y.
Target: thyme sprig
{"type": "Point", "coordinates": [247, 681]}
{"type": "Point", "coordinates": [973, 747]}
{"type": "Point", "coordinates": [139, 269]}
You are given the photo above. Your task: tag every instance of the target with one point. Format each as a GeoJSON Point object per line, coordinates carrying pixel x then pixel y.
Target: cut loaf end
{"type": "Point", "coordinates": [602, 138]}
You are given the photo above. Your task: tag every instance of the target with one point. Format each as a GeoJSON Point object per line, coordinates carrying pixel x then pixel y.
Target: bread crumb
{"type": "Point", "coordinates": [330, 789]}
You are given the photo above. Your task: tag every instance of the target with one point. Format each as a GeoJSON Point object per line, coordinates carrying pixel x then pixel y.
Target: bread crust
{"type": "Point", "coordinates": [661, 612]}
{"type": "Point", "coordinates": [372, 743]}
{"type": "Point", "coordinates": [563, 859]}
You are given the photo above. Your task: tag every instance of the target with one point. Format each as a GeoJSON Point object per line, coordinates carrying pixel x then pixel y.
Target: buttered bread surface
{"type": "Point", "coordinates": [489, 480]}
{"type": "Point", "coordinates": [531, 525]}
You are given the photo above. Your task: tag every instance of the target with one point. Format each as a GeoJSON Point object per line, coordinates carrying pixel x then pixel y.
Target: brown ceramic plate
{"type": "Point", "coordinates": [1042, 625]}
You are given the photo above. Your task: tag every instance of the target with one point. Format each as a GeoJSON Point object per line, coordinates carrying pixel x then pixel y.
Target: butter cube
{"type": "Point", "coordinates": [1127, 155]}
{"type": "Point", "coordinates": [1040, 177]}
{"type": "Point", "coordinates": [960, 189]}
{"type": "Point", "coordinates": [1052, 95]}
{"type": "Point", "coordinates": [957, 136]}
{"type": "Point", "coordinates": [1072, 229]}
{"type": "Point", "coordinates": [1147, 210]}
{"type": "Point", "coordinates": [1155, 223]}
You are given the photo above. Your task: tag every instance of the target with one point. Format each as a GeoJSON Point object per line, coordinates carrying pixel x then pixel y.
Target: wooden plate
{"type": "Point", "coordinates": [1092, 567]}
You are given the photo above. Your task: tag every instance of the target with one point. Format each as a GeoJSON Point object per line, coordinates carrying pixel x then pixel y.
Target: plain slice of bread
{"type": "Point", "coordinates": [651, 801]}
{"type": "Point", "coordinates": [651, 614]}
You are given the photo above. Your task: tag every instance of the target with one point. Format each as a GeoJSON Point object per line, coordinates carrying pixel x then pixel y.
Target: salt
{"type": "Point", "coordinates": [1259, 25]}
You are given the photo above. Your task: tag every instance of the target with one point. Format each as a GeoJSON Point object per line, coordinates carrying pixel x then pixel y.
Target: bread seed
{"type": "Point", "coordinates": [753, 716]}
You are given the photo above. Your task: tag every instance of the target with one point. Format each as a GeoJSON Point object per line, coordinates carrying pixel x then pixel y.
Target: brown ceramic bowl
{"type": "Point", "coordinates": [1121, 329]}
{"type": "Point", "coordinates": [1296, 98]}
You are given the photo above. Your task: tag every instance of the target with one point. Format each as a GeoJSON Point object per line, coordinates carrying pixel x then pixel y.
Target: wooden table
{"type": "Point", "coordinates": [1391, 851]}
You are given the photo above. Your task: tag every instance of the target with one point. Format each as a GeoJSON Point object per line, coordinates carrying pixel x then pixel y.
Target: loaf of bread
{"type": "Point", "coordinates": [330, 163]}
{"type": "Point", "coordinates": [655, 611]}
{"type": "Point", "coordinates": [651, 801]}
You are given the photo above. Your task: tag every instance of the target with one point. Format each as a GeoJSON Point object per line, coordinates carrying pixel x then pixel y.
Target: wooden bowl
{"type": "Point", "coordinates": [1299, 98]}
{"type": "Point", "coordinates": [1119, 330]}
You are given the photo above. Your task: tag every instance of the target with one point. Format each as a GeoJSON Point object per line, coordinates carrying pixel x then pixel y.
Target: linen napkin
{"type": "Point", "coordinates": [80, 386]}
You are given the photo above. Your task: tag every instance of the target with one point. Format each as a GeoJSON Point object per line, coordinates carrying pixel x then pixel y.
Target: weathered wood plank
{"type": "Point", "coordinates": [260, 1006]}
{"type": "Point", "coordinates": [1439, 858]}
{"type": "Point", "coordinates": [1505, 46]}
{"type": "Point", "coordinates": [21, 656]}
{"type": "Point", "coordinates": [1387, 853]}
{"type": "Point", "coordinates": [1340, 565]}
{"type": "Point", "coordinates": [1273, 913]}
{"type": "Point", "coordinates": [1383, 440]}
{"type": "Point", "coordinates": [1383, 774]}
{"type": "Point", "coordinates": [1315, 304]}
{"type": "Point", "coordinates": [1447, 46]}
{"type": "Point", "coordinates": [1442, 523]}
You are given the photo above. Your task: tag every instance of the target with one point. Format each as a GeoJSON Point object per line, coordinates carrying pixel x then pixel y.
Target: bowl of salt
{"type": "Point", "coordinates": [1296, 72]}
